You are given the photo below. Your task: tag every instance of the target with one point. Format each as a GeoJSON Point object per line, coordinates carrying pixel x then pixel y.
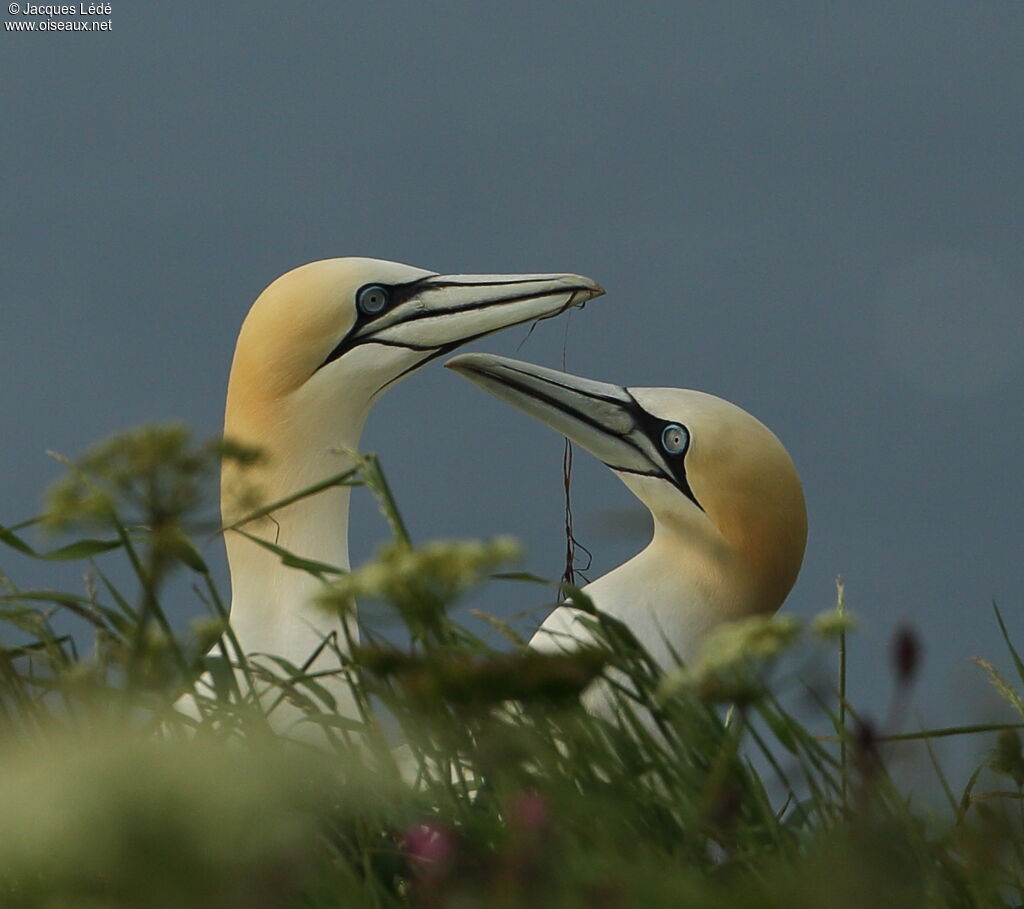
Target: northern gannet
{"type": "Point", "coordinates": [316, 350]}
{"type": "Point", "coordinates": [730, 523]}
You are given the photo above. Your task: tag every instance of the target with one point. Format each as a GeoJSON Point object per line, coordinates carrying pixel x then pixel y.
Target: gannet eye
{"type": "Point", "coordinates": [675, 439]}
{"type": "Point", "coordinates": [372, 299]}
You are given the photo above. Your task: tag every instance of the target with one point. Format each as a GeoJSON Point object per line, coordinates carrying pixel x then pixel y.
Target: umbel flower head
{"type": "Point", "coordinates": [155, 475]}
{"type": "Point", "coordinates": [422, 582]}
{"type": "Point", "coordinates": [722, 670]}
{"type": "Point", "coordinates": [833, 624]}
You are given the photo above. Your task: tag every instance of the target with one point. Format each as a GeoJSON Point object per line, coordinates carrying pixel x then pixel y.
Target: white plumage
{"type": "Point", "coordinates": [730, 523]}
{"type": "Point", "coordinates": [317, 349]}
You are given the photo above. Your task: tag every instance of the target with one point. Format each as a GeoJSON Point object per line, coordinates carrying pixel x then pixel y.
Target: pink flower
{"type": "Point", "coordinates": [430, 847]}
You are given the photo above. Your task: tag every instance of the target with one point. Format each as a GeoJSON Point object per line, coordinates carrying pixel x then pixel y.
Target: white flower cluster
{"type": "Point", "coordinates": [439, 570]}
{"type": "Point", "coordinates": [733, 649]}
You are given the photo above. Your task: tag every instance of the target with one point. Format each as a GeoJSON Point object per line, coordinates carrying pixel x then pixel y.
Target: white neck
{"type": "Point", "coordinates": [670, 596]}
{"type": "Point", "coordinates": [273, 606]}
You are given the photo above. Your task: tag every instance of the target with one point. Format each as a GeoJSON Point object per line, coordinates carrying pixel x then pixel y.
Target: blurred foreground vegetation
{"type": "Point", "coordinates": [144, 771]}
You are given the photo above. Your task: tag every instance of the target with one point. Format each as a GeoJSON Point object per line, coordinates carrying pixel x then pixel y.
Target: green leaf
{"type": "Point", "coordinates": [965, 798]}
{"type": "Point", "coordinates": [310, 566]}
{"type": "Point", "coordinates": [335, 721]}
{"type": "Point", "coordinates": [80, 549]}
{"type": "Point", "coordinates": [122, 603]}
{"type": "Point", "coordinates": [345, 478]}
{"type": "Point", "coordinates": [185, 550]}
{"type": "Point", "coordinates": [779, 727]}
{"type": "Point", "coordinates": [374, 478]}
{"type": "Point", "coordinates": [46, 596]}
{"type": "Point", "coordinates": [578, 599]}
{"type": "Point", "coordinates": [298, 677]}
{"type": "Point", "coordinates": [521, 576]}
{"type": "Point", "coordinates": [15, 542]}
{"type": "Point", "coordinates": [221, 675]}
{"type": "Point", "coordinates": [1006, 637]}
{"type": "Point", "coordinates": [35, 646]}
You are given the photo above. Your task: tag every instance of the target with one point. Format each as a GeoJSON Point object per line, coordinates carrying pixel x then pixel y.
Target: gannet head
{"type": "Point", "coordinates": [324, 340]}
{"type": "Point", "coordinates": [715, 478]}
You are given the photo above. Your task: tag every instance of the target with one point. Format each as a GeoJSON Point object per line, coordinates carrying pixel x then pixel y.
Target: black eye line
{"type": "Point", "coordinates": [397, 293]}
{"type": "Point", "coordinates": [654, 428]}
{"type": "Point", "coordinates": [651, 426]}
{"type": "Point", "coordinates": [432, 353]}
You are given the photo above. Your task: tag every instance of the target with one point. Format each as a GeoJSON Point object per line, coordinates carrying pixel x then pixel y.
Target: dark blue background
{"type": "Point", "coordinates": [812, 209]}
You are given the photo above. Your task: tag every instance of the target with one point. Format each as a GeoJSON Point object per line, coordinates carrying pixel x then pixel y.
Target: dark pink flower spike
{"type": "Point", "coordinates": [430, 847]}
{"type": "Point", "coordinates": [906, 653]}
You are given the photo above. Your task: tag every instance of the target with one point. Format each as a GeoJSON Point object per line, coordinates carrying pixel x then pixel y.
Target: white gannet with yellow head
{"type": "Point", "coordinates": [317, 349]}
{"type": "Point", "coordinates": [730, 523]}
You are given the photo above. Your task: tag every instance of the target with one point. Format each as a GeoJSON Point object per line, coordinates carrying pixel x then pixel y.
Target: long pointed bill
{"type": "Point", "coordinates": [604, 419]}
{"type": "Point", "coordinates": [440, 312]}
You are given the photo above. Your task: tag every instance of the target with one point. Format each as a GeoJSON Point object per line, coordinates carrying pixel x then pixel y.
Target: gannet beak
{"type": "Point", "coordinates": [604, 419]}
{"type": "Point", "coordinates": [441, 311]}
{"type": "Point", "coordinates": [437, 313]}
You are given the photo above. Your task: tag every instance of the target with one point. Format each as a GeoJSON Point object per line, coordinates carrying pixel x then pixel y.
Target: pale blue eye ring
{"type": "Point", "coordinates": [675, 439]}
{"type": "Point", "coordinates": [372, 299]}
